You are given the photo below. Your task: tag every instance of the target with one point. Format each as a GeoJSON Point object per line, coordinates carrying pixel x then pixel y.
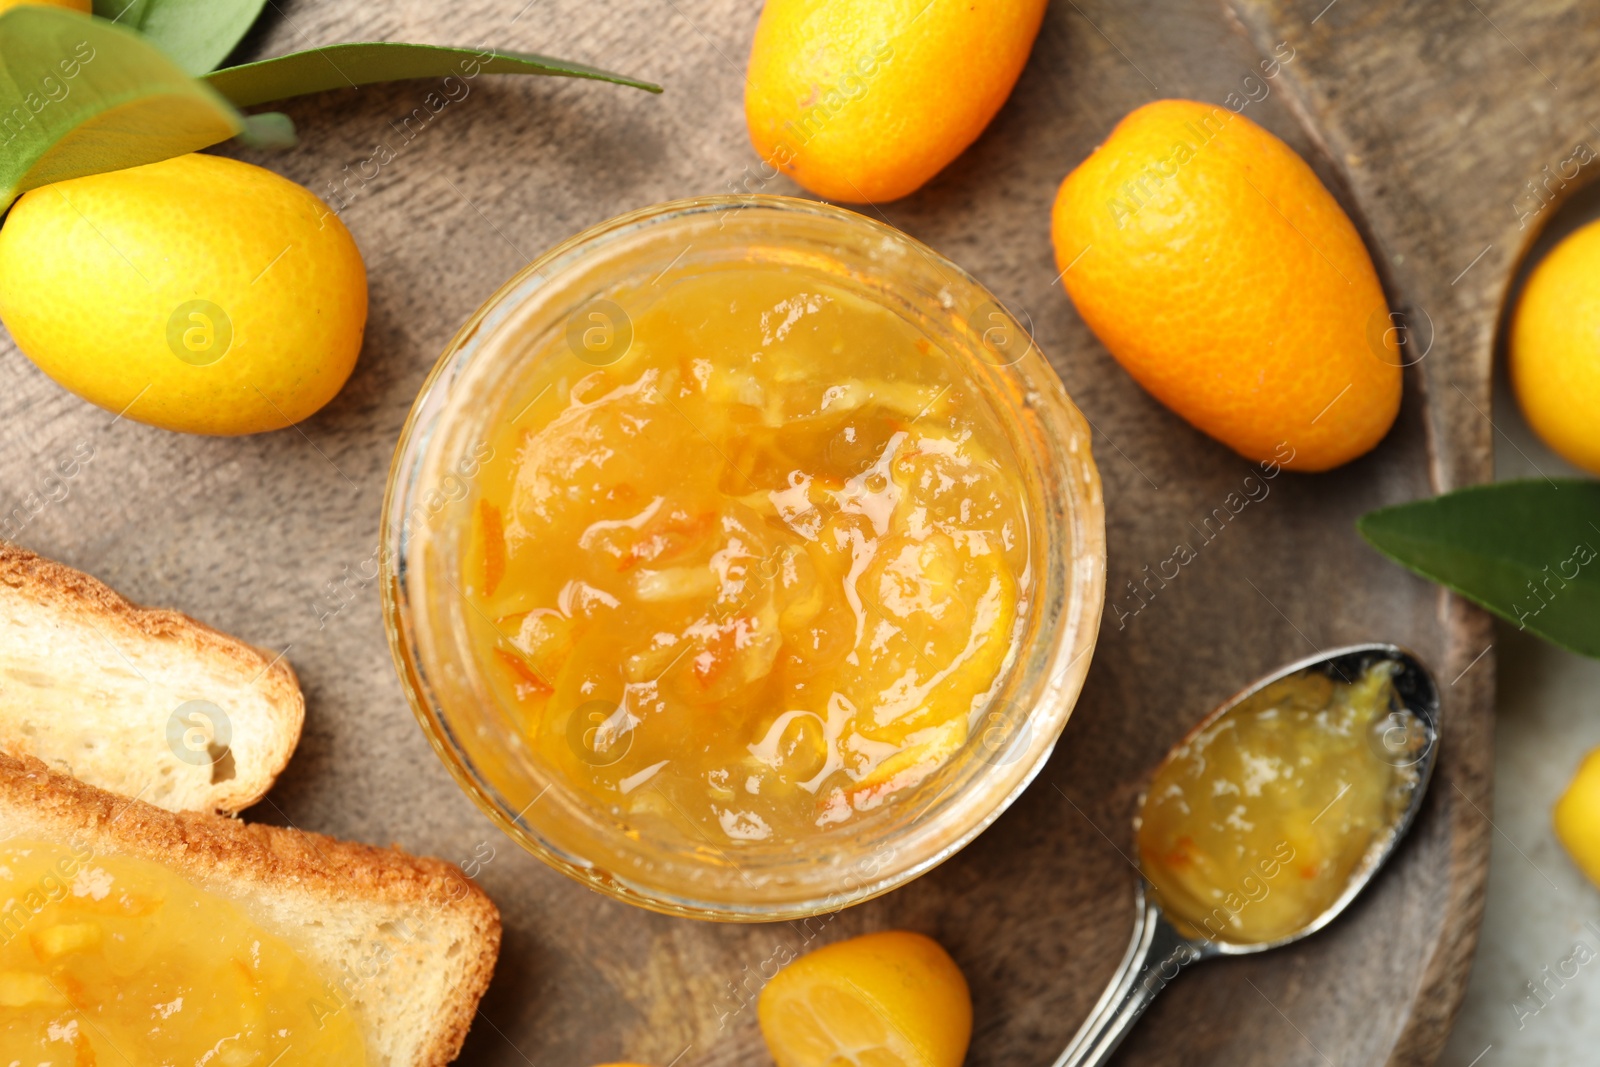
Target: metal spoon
{"type": "Point", "coordinates": [1159, 950]}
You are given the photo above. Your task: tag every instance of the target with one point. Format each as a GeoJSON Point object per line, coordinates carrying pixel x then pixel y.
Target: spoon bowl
{"type": "Point", "coordinates": [1406, 738]}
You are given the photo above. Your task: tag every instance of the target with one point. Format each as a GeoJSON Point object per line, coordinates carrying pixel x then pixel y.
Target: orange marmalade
{"type": "Point", "coordinates": [1255, 826]}
{"type": "Point", "coordinates": [111, 960]}
{"type": "Point", "coordinates": [756, 573]}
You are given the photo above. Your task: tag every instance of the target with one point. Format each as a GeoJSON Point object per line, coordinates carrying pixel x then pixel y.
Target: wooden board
{"type": "Point", "coordinates": [1425, 119]}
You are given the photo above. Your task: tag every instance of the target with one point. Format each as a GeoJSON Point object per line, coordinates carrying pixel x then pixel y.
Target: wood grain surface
{"type": "Point", "coordinates": [1426, 118]}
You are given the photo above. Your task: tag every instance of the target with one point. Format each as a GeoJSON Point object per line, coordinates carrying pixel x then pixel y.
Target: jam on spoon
{"type": "Point", "coordinates": [1266, 821]}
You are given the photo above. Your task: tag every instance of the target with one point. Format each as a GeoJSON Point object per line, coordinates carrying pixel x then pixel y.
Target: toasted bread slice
{"type": "Point", "coordinates": [143, 702]}
{"type": "Point", "coordinates": [340, 905]}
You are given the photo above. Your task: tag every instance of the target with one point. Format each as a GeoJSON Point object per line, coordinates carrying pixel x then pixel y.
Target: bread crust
{"type": "Point", "coordinates": [212, 849]}
{"type": "Point", "coordinates": [75, 593]}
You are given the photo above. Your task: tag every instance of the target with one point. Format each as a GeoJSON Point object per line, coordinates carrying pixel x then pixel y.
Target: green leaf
{"type": "Point", "coordinates": [197, 34]}
{"type": "Point", "coordinates": [80, 95]}
{"type": "Point", "coordinates": [268, 129]}
{"type": "Point", "coordinates": [1528, 551]}
{"type": "Point", "coordinates": [127, 13]}
{"type": "Point", "coordinates": [344, 66]}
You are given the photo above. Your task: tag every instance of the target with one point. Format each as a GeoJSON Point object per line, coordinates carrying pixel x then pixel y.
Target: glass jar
{"type": "Point", "coordinates": [427, 521]}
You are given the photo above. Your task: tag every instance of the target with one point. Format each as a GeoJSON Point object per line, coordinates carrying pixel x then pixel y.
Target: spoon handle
{"type": "Point", "coordinates": [1153, 959]}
